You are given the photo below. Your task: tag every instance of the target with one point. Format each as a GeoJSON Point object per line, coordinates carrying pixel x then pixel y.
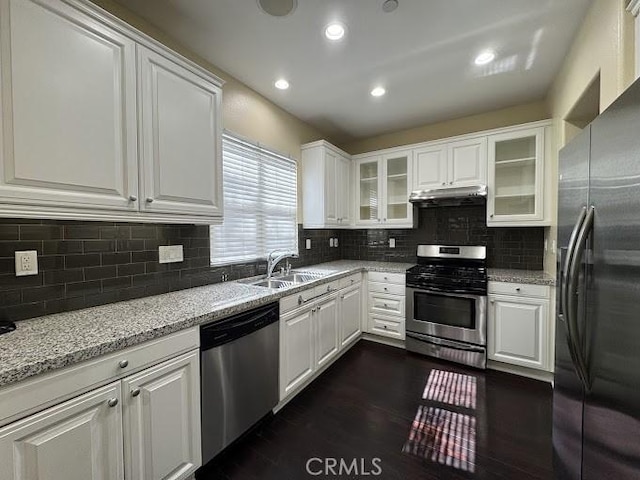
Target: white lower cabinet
{"type": "Point", "coordinates": [77, 440]}
{"type": "Point", "coordinates": [145, 426]}
{"type": "Point", "coordinates": [327, 330]}
{"type": "Point", "coordinates": [297, 362]}
{"type": "Point", "coordinates": [350, 315]}
{"type": "Point", "coordinates": [162, 420]}
{"type": "Point", "coordinates": [315, 327]}
{"type": "Point", "coordinates": [518, 331]}
{"type": "Point", "coordinates": [386, 305]}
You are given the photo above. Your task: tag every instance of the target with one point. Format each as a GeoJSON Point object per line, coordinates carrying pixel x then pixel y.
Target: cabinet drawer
{"type": "Point", "coordinates": [350, 280]}
{"type": "Point", "coordinates": [387, 304]}
{"type": "Point", "coordinates": [381, 277]}
{"type": "Point", "coordinates": [523, 289]}
{"type": "Point", "coordinates": [297, 300]}
{"type": "Point", "coordinates": [389, 288]}
{"type": "Point", "coordinates": [326, 288]}
{"type": "Point", "coordinates": [386, 326]}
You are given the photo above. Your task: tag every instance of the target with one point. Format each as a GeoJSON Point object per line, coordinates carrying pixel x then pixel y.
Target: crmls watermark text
{"type": "Point", "coordinates": [341, 466]}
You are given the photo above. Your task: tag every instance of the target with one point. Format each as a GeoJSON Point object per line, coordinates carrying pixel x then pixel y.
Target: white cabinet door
{"type": "Point", "coordinates": [181, 135]}
{"type": "Point", "coordinates": [162, 420]}
{"type": "Point", "coordinates": [350, 315]}
{"type": "Point", "coordinates": [77, 440]}
{"type": "Point", "coordinates": [468, 162]}
{"type": "Point", "coordinates": [516, 178]}
{"type": "Point", "coordinates": [396, 187]}
{"type": "Point", "coordinates": [518, 331]}
{"type": "Point", "coordinates": [331, 188]}
{"type": "Point", "coordinates": [368, 191]}
{"type": "Point", "coordinates": [69, 109]}
{"type": "Point", "coordinates": [343, 198]}
{"type": "Point", "coordinates": [430, 168]}
{"type": "Point", "coordinates": [327, 331]}
{"type": "Point", "coordinates": [297, 357]}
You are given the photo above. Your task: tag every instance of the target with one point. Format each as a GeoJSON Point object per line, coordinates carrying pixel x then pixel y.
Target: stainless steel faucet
{"type": "Point", "coordinates": [273, 261]}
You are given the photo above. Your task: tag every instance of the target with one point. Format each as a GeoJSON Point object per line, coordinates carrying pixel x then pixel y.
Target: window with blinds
{"type": "Point", "coordinates": [260, 204]}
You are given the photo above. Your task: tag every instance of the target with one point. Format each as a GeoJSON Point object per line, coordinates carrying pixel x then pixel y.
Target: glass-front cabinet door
{"type": "Point", "coordinates": [516, 177]}
{"type": "Point", "coordinates": [398, 210]}
{"type": "Point", "coordinates": [368, 196]}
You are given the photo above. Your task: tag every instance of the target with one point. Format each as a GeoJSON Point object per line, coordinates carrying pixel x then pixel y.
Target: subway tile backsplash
{"type": "Point", "coordinates": [83, 264]}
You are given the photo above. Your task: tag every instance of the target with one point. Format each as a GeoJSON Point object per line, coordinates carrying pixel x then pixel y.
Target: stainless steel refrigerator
{"type": "Point", "coordinates": [596, 402]}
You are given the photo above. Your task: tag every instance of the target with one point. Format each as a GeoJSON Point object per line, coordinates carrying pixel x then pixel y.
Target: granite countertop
{"type": "Point", "coordinates": [533, 277]}
{"type": "Point", "coordinates": [47, 343]}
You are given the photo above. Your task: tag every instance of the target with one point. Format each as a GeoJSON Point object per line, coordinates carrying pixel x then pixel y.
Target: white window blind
{"type": "Point", "coordinates": [260, 204]}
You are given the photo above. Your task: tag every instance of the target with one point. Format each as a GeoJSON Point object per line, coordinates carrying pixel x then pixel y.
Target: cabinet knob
{"type": "Point", "coordinates": [386, 278]}
{"type": "Point", "coordinates": [386, 305]}
{"type": "Point", "coordinates": [491, 216]}
{"type": "Point", "coordinates": [517, 289]}
{"type": "Point", "coordinates": [123, 363]}
{"type": "Point", "coordinates": [450, 183]}
{"type": "Point", "coordinates": [386, 289]}
{"type": "Point", "coordinates": [132, 198]}
{"type": "Point", "coordinates": [384, 219]}
{"type": "Point", "coordinates": [444, 183]}
{"type": "Point", "coordinates": [149, 200]}
{"type": "Point", "coordinates": [492, 301]}
{"type": "Point", "coordinates": [378, 219]}
{"type": "Point", "coordinates": [135, 392]}
{"type": "Point", "coordinates": [318, 308]}
{"type": "Point", "coordinates": [385, 327]}
{"type": "Point", "coordinates": [112, 402]}
{"type": "Point", "coordinates": [328, 288]}
{"type": "Point", "coordinates": [352, 281]}
{"type": "Point", "coordinates": [300, 300]}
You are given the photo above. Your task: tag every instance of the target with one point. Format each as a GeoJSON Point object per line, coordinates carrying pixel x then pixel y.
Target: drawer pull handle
{"type": "Point", "coordinates": [386, 306]}
{"type": "Point", "coordinates": [385, 327]}
{"type": "Point", "coordinates": [300, 300]}
{"type": "Point", "coordinates": [352, 281]}
{"type": "Point", "coordinates": [123, 363]}
{"type": "Point", "coordinates": [135, 392]}
{"type": "Point", "coordinates": [149, 200]}
{"type": "Point", "coordinates": [132, 198]}
{"type": "Point", "coordinates": [385, 289]}
{"type": "Point", "coordinates": [112, 402]}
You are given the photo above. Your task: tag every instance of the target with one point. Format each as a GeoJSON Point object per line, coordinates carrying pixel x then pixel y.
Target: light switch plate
{"type": "Point", "coordinates": [308, 244]}
{"type": "Point", "coordinates": [26, 263]}
{"type": "Point", "coordinates": [170, 254]}
{"type": "Point", "coordinates": [392, 243]}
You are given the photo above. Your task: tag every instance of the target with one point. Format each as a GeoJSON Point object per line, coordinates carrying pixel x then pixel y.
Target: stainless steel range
{"type": "Point", "coordinates": [446, 313]}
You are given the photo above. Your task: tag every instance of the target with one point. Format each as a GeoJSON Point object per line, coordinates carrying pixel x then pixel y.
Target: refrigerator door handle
{"type": "Point", "coordinates": [569, 255]}
{"type": "Point", "coordinates": [571, 313]}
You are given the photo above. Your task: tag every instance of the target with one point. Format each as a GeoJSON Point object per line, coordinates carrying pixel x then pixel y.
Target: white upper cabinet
{"type": "Point", "coordinates": [430, 168]}
{"type": "Point", "coordinates": [516, 183]}
{"type": "Point", "coordinates": [382, 190]}
{"type": "Point", "coordinates": [74, 142]}
{"type": "Point", "coordinates": [450, 165]}
{"type": "Point", "coordinates": [468, 162]}
{"type": "Point", "coordinates": [68, 109]}
{"type": "Point", "coordinates": [326, 186]}
{"type": "Point", "coordinates": [181, 128]}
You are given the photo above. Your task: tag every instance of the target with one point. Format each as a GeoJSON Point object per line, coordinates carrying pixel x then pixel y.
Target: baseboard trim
{"type": "Point", "coordinates": [383, 340]}
{"type": "Point", "coordinates": [521, 371]}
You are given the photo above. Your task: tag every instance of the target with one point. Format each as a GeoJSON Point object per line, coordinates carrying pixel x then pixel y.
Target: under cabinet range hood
{"type": "Point", "coordinates": [449, 197]}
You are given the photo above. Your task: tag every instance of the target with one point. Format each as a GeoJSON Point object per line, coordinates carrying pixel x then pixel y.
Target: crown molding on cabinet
{"type": "Point", "coordinates": [634, 7]}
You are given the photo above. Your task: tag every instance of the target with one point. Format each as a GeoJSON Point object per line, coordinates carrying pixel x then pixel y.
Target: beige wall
{"type": "Point", "coordinates": [603, 46]}
{"type": "Point", "coordinates": [245, 112]}
{"type": "Point", "coordinates": [505, 117]}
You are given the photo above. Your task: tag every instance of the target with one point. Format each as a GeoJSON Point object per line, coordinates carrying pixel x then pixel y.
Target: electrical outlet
{"type": "Point", "coordinates": [170, 254]}
{"type": "Point", "coordinates": [308, 244]}
{"type": "Point", "coordinates": [26, 263]}
{"type": "Point", "coordinates": [331, 242]}
{"type": "Point", "coordinates": [392, 243]}
{"type": "Point", "coordinates": [335, 242]}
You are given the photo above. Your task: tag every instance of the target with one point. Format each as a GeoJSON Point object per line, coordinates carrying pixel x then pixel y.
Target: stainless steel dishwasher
{"type": "Point", "coordinates": [239, 359]}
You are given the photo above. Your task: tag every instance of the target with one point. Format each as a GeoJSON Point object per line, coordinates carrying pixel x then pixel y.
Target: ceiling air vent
{"type": "Point", "coordinates": [278, 8]}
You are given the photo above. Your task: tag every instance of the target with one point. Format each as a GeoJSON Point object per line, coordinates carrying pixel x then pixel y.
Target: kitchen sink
{"type": "Point", "coordinates": [284, 281]}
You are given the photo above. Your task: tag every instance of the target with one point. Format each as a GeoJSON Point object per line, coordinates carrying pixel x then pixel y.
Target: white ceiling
{"type": "Point", "coordinates": [422, 54]}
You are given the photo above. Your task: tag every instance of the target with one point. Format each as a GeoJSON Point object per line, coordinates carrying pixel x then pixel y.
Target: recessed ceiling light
{"type": "Point", "coordinates": [378, 92]}
{"type": "Point", "coordinates": [389, 6]}
{"type": "Point", "coordinates": [282, 84]}
{"type": "Point", "coordinates": [278, 8]}
{"type": "Point", "coordinates": [485, 57]}
{"type": "Point", "coordinates": [334, 31]}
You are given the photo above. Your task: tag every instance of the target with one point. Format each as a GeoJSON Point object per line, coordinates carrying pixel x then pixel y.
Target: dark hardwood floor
{"type": "Point", "coordinates": [369, 405]}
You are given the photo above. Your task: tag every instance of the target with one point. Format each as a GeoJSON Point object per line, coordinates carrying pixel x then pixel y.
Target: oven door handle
{"type": "Point", "coordinates": [446, 292]}
{"type": "Point", "coordinates": [445, 343]}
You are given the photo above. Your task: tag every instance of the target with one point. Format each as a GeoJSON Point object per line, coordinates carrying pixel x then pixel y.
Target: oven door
{"type": "Point", "coordinates": [454, 316]}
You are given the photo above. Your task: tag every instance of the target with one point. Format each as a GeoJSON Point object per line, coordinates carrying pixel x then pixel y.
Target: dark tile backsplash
{"type": "Point", "coordinates": [83, 264]}
{"type": "Point", "coordinates": [521, 248]}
